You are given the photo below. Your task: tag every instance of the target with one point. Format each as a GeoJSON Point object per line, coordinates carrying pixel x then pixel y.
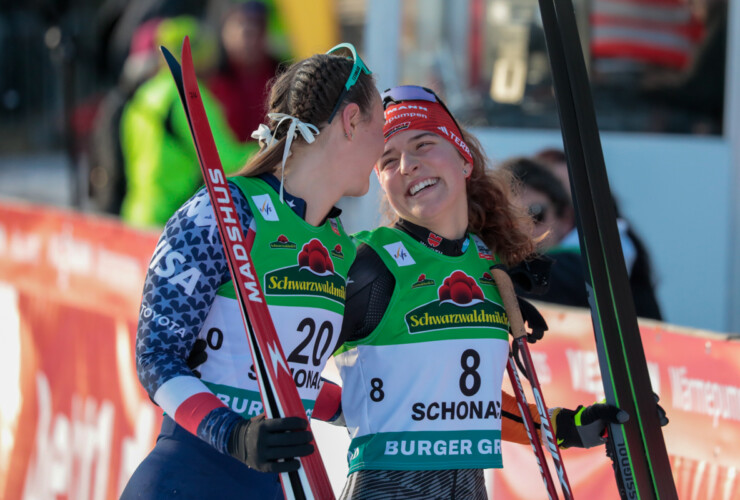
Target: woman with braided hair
{"type": "Point", "coordinates": [323, 137]}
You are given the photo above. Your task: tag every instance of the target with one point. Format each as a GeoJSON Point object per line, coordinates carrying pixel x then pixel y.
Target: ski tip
{"type": "Point", "coordinates": [168, 55]}
{"type": "Point", "coordinates": [186, 47]}
{"type": "Point", "coordinates": [172, 63]}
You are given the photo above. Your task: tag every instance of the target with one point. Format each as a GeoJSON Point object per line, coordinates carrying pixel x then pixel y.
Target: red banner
{"type": "Point", "coordinates": [75, 422]}
{"type": "Point", "coordinates": [696, 374]}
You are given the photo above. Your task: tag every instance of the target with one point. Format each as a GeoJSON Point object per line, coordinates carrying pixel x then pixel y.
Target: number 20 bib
{"type": "Point", "coordinates": [423, 390]}
{"type": "Point", "coordinates": [302, 270]}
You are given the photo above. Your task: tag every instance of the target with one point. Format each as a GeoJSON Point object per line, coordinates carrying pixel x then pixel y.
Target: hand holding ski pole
{"type": "Point", "coordinates": [585, 427]}
{"type": "Point", "coordinates": [271, 445]}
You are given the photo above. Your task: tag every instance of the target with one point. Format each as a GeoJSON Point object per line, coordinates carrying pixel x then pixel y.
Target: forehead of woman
{"type": "Point", "coordinates": [424, 116]}
{"type": "Point", "coordinates": [403, 138]}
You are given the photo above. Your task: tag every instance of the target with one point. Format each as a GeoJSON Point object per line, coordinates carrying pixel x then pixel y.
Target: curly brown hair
{"type": "Point", "coordinates": [308, 90]}
{"type": "Point", "coordinates": [492, 214]}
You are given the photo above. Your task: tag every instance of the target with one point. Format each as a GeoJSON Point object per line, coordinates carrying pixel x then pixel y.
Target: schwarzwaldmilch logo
{"type": "Point", "coordinates": [282, 242]}
{"type": "Point", "coordinates": [434, 240]}
{"type": "Point", "coordinates": [486, 279]}
{"type": "Point", "coordinates": [315, 257]}
{"type": "Point", "coordinates": [337, 251]}
{"type": "Point", "coordinates": [313, 274]}
{"type": "Point", "coordinates": [460, 289]}
{"type": "Point", "coordinates": [422, 281]}
{"type": "Point", "coordinates": [460, 304]}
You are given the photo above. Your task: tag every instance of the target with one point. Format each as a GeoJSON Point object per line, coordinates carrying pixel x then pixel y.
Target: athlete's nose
{"type": "Point", "coordinates": [408, 163]}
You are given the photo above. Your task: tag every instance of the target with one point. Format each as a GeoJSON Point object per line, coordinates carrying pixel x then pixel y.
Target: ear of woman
{"type": "Point", "coordinates": [351, 117]}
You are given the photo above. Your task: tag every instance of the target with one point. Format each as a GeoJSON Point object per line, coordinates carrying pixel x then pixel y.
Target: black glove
{"type": "Point", "coordinates": [530, 314]}
{"type": "Point", "coordinates": [532, 276]}
{"type": "Point", "coordinates": [271, 445]}
{"type": "Point", "coordinates": [533, 318]}
{"type": "Point", "coordinates": [197, 356]}
{"type": "Point", "coordinates": [585, 427]}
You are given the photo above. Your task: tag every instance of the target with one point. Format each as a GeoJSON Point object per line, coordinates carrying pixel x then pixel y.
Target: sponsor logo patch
{"type": "Point", "coordinates": [282, 242]}
{"type": "Point", "coordinates": [434, 240]}
{"type": "Point", "coordinates": [486, 279]}
{"type": "Point", "coordinates": [337, 251]}
{"type": "Point", "coordinates": [265, 207]}
{"type": "Point", "coordinates": [312, 275]}
{"type": "Point", "coordinates": [399, 254]}
{"type": "Point", "coordinates": [460, 304]}
{"type": "Point", "coordinates": [422, 281]}
{"type": "Point", "coordinates": [397, 128]}
{"type": "Point", "coordinates": [483, 251]}
{"type": "Point", "coordinates": [334, 226]}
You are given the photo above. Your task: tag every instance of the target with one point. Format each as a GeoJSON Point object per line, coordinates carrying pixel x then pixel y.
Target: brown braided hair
{"type": "Point", "coordinates": [308, 90]}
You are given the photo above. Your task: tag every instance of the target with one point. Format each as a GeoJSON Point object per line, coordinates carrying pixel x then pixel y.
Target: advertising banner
{"type": "Point", "coordinates": [75, 422]}
{"type": "Point", "coordinates": [696, 374]}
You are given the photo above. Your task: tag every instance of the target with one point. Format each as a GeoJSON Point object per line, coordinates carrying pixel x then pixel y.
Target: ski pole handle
{"type": "Point", "coordinates": [516, 321]}
{"type": "Point", "coordinates": [511, 305]}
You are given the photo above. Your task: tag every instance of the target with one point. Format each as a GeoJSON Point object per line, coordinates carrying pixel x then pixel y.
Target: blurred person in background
{"type": "Point", "coordinates": [539, 191]}
{"type": "Point", "coordinates": [325, 132]}
{"type": "Point", "coordinates": [544, 188]}
{"type": "Point", "coordinates": [241, 82]}
{"type": "Point", "coordinates": [643, 56]}
{"type": "Point", "coordinates": [700, 88]}
{"type": "Point", "coordinates": [107, 178]}
{"type": "Point", "coordinates": [161, 166]}
{"type": "Point", "coordinates": [118, 21]}
{"type": "Point", "coordinates": [640, 36]}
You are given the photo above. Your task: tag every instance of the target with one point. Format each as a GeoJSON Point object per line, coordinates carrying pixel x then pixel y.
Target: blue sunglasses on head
{"type": "Point", "coordinates": [354, 75]}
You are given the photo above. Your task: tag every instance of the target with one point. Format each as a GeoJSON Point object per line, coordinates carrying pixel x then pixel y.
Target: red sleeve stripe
{"type": "Point", "coordinates": [194, 409]}
{"type": "Point", "coordinates": [328, 402]}
{"type": "Point", "coordinates": [187, 400]}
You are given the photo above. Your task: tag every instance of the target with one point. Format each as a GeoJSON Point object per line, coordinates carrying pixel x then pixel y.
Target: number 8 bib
{"type": "Point", "coordinates": [423, 390]}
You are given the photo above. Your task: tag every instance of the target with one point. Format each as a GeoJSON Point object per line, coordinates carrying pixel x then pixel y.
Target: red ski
{"type": "Point", "coordinates": [277, 388]}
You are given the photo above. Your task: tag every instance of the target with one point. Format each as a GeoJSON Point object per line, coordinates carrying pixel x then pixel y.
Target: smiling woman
{"type": "Point", "coordinates": [435, 175]}
{"type": "Point", "coordinates": [424, 341]}
{"type": "Point", "coordinates": [422, 173]}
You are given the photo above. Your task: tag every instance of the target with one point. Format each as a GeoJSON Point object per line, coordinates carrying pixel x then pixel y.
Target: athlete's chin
{"type": "Point", "coordinates": [427, 208]}
{"type": "Point", "coordinates": [358, 191]}
{"type": "Point", "coordinates": [421, 216]}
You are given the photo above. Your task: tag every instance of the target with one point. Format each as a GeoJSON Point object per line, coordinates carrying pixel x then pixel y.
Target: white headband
{"type": "Point", "coordinates": [264, 135]}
